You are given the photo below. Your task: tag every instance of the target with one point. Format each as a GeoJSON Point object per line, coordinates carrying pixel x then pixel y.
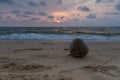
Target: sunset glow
{"type": "Point", "coordinates": [48, 13]}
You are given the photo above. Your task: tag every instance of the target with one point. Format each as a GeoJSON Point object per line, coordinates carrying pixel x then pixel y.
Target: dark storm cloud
{"type": "Point", "coordinates": [92, 16]}
{"type": "Point", "coordinates": [42, 13]}
{"type": "Point", "coordinates": [15, 11]}
{"type": "Point", "coordinates": [29, 13]}
{"type": "Point", "coordinates": [112, 13]}
{"type": "Point", "coordinates": [117, 6]}
{"type": "Point", "coordinates": [42, 3]}
{"type": "Point", "coordinates": [50, 17]}
{"type": "Point", "coordinates": [84, 8]}
{"type": "Point", "coordinates": [32, 3]}
{"type": "Point", "coordinates": [7, 1]}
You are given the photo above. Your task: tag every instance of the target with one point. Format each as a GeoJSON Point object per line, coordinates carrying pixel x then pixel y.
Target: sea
{"type": "Point", "coordinates": [59, 33]}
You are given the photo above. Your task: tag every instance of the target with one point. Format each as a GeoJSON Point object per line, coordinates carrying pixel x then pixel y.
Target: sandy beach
{"type": "Point", "coordinates": [49, 60]}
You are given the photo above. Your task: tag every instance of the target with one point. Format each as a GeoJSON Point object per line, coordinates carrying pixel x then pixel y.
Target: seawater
{"type": "Point", "coordinates": [60, 33]}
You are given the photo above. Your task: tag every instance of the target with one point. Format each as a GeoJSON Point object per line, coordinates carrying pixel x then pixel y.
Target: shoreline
{"type": "Point", "coordinates": [58, 40]}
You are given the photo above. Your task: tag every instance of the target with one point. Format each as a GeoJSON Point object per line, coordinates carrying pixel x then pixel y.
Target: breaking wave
{"type": "Point", "coordinates": [34, 36]}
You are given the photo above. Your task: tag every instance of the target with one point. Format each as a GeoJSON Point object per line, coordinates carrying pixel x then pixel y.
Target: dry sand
{"type": "Point", "coordinates": [49, 60]}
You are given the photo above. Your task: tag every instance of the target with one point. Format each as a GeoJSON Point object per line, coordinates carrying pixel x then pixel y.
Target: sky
{"type": "Point", "coordinates": [63, 13]}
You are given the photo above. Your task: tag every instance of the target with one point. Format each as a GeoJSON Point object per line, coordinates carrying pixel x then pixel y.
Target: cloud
{"type": "Point", "coordinates": [35, 19]}
{"type": "Point", "coordinates": [9, 17]}
{"type": "Point", "coordinates": [64, 11]}
{"type": "Point", "coordinates": [97, 1]}
{"type": "Point", "coordinates": [22, 15]}
{"type": "Point", "coordinates": [15, 11]}
{"type": "Point", "coordinates": [59, 2]}
{"type": "Point", "coordinates": [29, 13]}
{"type": "Point", "coordinates": [117, 6]}
{"type": "Point", "coordinates": [0, 17]}
{"type": "Point", "coordinates": [7, 1]}
{"type": "Point", "coordinates": [112, 13]}
{"type": "Point", "coordinates": [106, 1]}
{"type": "Point", "coordinates": [84, 8]}
{"type": "Point", "coordinates": [42, 13]}
{"type": "Point", "coordinates": [61, 18]}
{"type": "Point", "coordinates": [1, 12]}
{"type": "Point", "coordinates": [32, 3]}
{"type": "Point", "coordinates": [42, 3]}
{"type": "Point", "coordinates": [51, 17]}
{"type": "Point", "coordinates": [75, 19]}
{"type": "Point", "coordinates": [92, 16]}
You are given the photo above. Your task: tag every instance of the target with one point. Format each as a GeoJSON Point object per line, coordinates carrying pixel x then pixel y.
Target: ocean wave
{"type": "Point", "coordinates": [34, 36]}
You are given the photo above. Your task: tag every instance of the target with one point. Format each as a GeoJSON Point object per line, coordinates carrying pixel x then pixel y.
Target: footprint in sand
{"type": "Point", "coordinates": [61, 77]}
{"type": "Point", "coordinates": [101, 77]}
{"type": "Point", "coordinates": [19, 67]}
{"type": "Point", "coordinates": [109, 72]}
{"type": "Point", "coordinates": [113, 71]}
{"type": "Point", "coordinates": [28, 49]}
{"type": "Point", "coordinates": [1, 79]}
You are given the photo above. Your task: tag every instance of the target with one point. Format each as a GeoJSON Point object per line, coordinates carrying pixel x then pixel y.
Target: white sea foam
{"type": "Point", "coordinates": [34, 36]}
